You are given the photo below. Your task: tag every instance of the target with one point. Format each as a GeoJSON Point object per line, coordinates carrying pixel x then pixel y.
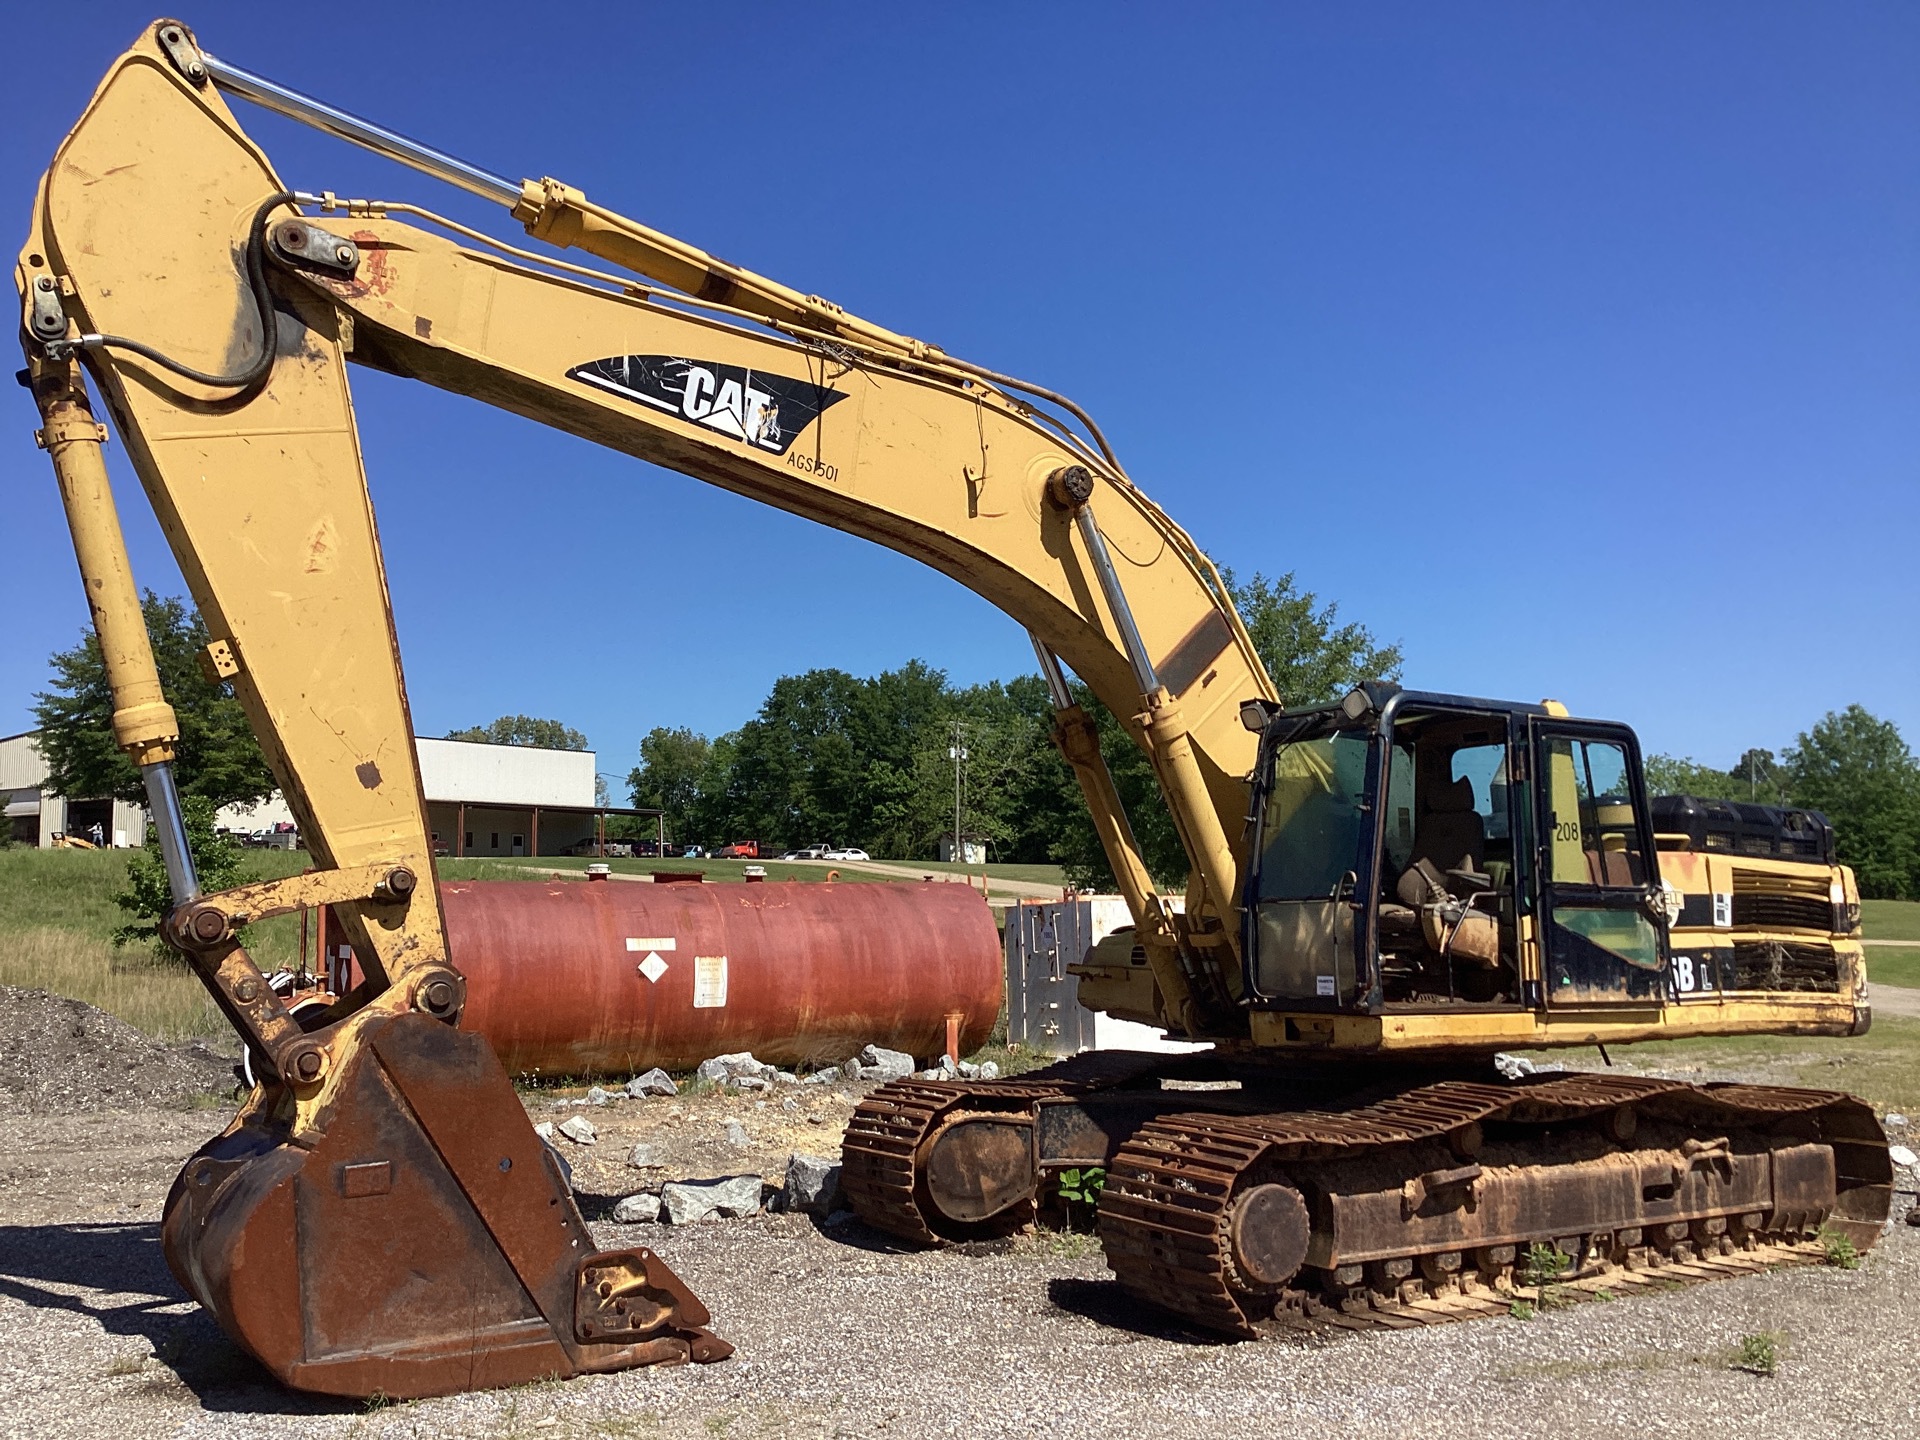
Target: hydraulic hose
{"type": "Point", "coordinates": [256, 369]}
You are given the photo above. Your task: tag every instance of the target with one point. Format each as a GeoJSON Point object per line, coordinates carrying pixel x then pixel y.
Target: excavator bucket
{"type": "Point", "coordinates": [428, 1242]}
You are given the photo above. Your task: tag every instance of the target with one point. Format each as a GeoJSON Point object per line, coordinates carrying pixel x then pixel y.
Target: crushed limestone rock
{"type": "Point", "coordinates": [58, 1054]}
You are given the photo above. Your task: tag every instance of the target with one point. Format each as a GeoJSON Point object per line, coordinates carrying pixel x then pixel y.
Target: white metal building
{"type": "Point", "coordinates": [481, 800]}
{"type": "Point", "coordinates": [33, 815]}
{"type": "Point", "coordinates": [506, 799]}
{"type": "Point", "coordinates": [485, 799]}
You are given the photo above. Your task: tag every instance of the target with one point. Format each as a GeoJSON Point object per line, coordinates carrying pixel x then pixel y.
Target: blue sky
{"type": "Point", "coordinates": [1574, 347]}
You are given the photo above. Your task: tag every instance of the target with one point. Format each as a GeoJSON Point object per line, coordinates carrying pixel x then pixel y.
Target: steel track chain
{"type": "Point", "coordinates": [881, 1151]}
{"type": "Point", "coordinates": [1163, 1216]}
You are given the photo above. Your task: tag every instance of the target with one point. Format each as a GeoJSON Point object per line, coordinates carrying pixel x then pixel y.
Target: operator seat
{"type": "Point", "coordinates": [1451, 833]}
{"type": "Point", "coordinates": [1450, 836]}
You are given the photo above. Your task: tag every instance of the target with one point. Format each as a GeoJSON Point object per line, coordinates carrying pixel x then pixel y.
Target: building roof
{"type": "Point", "coordinates": [457, 771]}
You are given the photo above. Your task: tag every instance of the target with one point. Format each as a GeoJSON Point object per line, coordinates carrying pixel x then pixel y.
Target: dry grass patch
{"type": "Point", "coordinates": [165, 1002]}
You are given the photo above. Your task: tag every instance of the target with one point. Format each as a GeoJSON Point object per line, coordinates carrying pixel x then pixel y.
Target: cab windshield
{"type": "Point", "coordinates": [1314, 818]}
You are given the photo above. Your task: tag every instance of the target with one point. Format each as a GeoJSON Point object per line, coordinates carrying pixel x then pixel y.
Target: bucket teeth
{"type": "Point", "coordinates": [629, 1296]}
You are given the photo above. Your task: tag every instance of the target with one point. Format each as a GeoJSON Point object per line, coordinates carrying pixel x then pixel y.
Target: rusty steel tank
{"type": "Point", "coordinates": [613, 977]}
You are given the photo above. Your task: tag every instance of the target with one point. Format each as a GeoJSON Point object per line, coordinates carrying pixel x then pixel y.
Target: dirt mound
{"type": "Point", "coordinates": [58, 1054]}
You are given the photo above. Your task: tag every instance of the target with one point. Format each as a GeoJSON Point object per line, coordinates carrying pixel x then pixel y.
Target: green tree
{"type": "Point", "coordinates": [834, 757]}
{"type": "Point", "coordinates": [866, 761]}
{"type": "Point", "coordinates": [1857, 770]}
{"type": "Point", "coordinates": [1675, 775]}
{"type": "Point", "coordinates": [148, 896]}
{"type": "Point", "coordinates": [1310, 657]}
{"type": "Point", "coordinates": [716, 812]}
{"type": "Point", "coordinates": [673, 766]}
{"type": "Point", "coordinates": [217, 756]}
{"type": "Point", "coordinates": [795, 769]}
{"type": "Point", "coordinates": [1757, 778]}
{"type": "Point", "coordinates": [523, 730]}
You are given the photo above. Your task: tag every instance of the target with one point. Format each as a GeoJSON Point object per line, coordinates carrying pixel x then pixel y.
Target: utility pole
{"type": "Point", "coordinates": [957, 752]}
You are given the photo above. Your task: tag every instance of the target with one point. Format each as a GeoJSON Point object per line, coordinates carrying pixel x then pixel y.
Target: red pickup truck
{"type": "Point", "coordinates": [739, 850]}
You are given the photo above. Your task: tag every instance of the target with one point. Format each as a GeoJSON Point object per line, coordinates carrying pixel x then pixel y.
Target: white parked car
{"type": "Point", "coordinates": [847, 854]}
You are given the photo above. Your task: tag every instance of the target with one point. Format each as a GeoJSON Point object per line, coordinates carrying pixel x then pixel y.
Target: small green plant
{"type": "Point", "coordinates": [377, 1401]}
{"type": "Point", "coordinates": [128, 1364]}
{"type": "Point", "coordinates": [1760, 1354]}
{"type": "Point", "coordinates": [148, 896]}
{"type": "Point", "coordinates": [1841, 1251]}
{"type": "Point", "coordinates": [1082, 1187]}
{"type": "Point", "coordinates": [1543, 1265]}
{"type": "Point", "coordinates": [1521, 1310]}
{"type": "Point", "coordinates": [1603, 1296]}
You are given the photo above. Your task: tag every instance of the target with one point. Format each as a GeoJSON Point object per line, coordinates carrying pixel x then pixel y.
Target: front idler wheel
{"type": "Point", "coordinates": [1268, 1233]}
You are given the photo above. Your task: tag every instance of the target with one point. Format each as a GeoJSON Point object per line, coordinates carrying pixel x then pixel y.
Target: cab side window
{"type": "Point", "coordinates": [1593, 836]}
{"type": "Point", "coordinates": [1485, 768]}
{"type": "Point", "coordinates": [1399, 836]}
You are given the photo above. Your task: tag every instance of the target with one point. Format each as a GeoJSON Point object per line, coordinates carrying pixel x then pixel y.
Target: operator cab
{"type": "Point", "coordinates": [1409, 848]}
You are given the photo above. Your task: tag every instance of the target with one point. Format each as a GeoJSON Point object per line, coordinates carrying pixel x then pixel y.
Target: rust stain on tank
{"type": "Point", "coordinates": [583, 979]}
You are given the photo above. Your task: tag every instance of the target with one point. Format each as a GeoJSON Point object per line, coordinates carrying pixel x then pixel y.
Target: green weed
{"type": "Point", "coordinates": [1543, 1265]}
{"type": "Point", "coordinates": [1760, 1354]}
{"type": "Point", "coordinates": [1842, 1254]}
{"type": "Point", "coordinates": [1081, 1187]}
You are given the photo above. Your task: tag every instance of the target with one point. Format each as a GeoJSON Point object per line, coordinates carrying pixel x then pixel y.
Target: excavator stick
{"type": "Point", "coordinates": [380, 1218]}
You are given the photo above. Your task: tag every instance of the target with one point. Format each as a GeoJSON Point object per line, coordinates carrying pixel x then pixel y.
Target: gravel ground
{"type": "Point", "coordinates": [61, 1055]}
{"type": "Point", "coordinates": [839, 1333]}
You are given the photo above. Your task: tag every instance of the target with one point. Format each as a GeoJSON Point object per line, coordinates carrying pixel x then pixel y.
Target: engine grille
{"type": "Point", "coordinates": [1773, 901]}
{"type": "Point", "coordinates": [1783, 912]}
{"type": "Point", "coordinates": [1775, 965]}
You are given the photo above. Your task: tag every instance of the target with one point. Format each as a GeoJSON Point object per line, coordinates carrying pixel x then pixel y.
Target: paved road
{"type": "Point", "coordinates": [907, 870]}
{"type": "Point", "coordinates": [1894, 1000]}
{"type": "Point", "coordinates": [893, 870]}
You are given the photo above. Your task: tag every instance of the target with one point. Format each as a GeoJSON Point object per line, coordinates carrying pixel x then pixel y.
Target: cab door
{"type": "Point", "coordinates": [1314, 849]}
{"type": "Point", "coordinates": [1600, 943]}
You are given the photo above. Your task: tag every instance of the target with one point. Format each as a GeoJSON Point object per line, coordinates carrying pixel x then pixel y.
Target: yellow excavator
{"type": "Point", "coordinates": [1384, 892]}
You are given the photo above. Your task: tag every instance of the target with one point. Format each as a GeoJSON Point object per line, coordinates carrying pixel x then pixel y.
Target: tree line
{"type": "Point", "coordinates": [867, 761]}
{"type": "Point", "coordinates": [1853, 767]}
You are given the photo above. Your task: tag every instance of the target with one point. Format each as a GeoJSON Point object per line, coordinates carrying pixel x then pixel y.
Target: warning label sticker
{"type": "Point", "coordinates": [709, 981]}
